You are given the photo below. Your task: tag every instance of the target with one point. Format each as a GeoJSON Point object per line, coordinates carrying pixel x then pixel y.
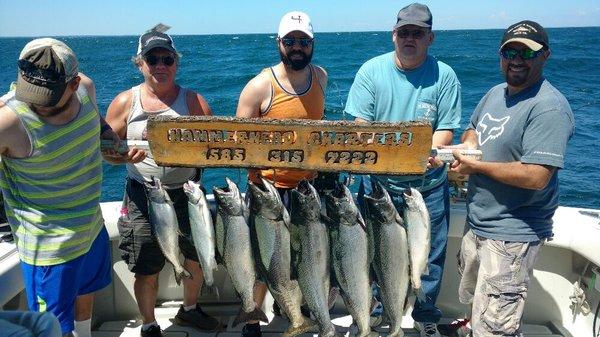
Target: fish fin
{"type": "Point", "coordinates": [219, 239]}
{"type": "Point", "coordinates": [295, 251]}
{"type": "Point", "coordinates": [333, 293]}
{"type": "Point", "coordinates": [177, 277]}
{"type": "Point", "coordinates": [327, 220]}
{"type": "Point", "coordinates": [400, 220]}
{"type": "Point", "coordinates": [286, 218]}
{"type": "Point", "coordinates": [255, 315]}
{"type": "Point", "coordinates": [426, 270]}
{"type": "Point", "coordinates": [361, 221]}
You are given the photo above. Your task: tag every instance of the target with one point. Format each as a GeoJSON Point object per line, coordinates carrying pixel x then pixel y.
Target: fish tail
{"type": "Point", "coordinates": [209, 279]}
{"type": "Point", "coordinates": [255, 315]}
{"type": "Point", "coordinates": [181, 274]}
{"type": "Point", "coordinates": [367, 333]}
{"type": "Point", "coordinates": [211, 289]}
{"type": "Point", "coordinates": [328, 331]}
{"type": "Point", "coordinates": [306, 325]}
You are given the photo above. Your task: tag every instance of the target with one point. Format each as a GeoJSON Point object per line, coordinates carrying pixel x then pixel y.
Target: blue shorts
{"type": "Point", "coordinates": [55, 288]}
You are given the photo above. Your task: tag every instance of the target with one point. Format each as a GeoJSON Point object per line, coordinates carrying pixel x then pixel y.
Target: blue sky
{"type": "Point", "coordinates": [124, 17]}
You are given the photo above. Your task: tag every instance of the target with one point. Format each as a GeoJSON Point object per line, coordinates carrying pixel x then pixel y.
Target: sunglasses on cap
{"type": "Point", "coordinates": [526, 54]}
{"type": "Point", "coordinates": [153, 60]}
{"type": "Point", "coordinates": [416, 34]}
{"type": "Point", "coordinates": [290, 41]}
{"type": "Point", "coordinates": [39, 75]}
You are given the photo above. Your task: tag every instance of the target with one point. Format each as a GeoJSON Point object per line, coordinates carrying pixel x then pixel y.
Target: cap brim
{"type": "Point", "coordinates": [38, 95]}
{"type": "Point", "coordinates": [529, 43]}
{"type": "Point", "coordinates": [410, 22]}
{"type": "Point", "coordinates": [309, 33]}
{"type": "Point", "coordinates": [158, 44]}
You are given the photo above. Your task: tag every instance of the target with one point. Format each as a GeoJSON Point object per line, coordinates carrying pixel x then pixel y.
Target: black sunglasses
{"type": "Point", "coordinates": [526, 54]}
{"type": "Point", "coordinates": [153, 60]}
{"type": "Point", "coordinates": [31, 71]}
{"type": "Point", "coordinates": [290, 41]}
{"type": "Point", "coordinates": [416, 34]}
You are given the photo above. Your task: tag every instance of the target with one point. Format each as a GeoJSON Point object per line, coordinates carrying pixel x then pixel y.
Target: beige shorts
{"type": "Point", "coordinates": [494, 278]}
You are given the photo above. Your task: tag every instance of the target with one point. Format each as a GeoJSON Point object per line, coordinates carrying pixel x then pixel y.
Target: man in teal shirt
{"type": "Point", "coordinates": [408, 84]}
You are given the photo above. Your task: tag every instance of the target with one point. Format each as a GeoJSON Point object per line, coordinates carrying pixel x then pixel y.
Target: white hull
{"type": "Point", "coordinates": [562, 261]}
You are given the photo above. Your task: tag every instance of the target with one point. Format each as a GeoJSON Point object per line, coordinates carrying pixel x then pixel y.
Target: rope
{"type": "Point", "coordinates": [596, 333]}
{"type": "Point", "coordinates": [578, 300]}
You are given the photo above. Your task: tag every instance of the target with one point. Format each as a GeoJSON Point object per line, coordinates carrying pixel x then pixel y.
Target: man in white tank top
{"type": "Point", "coordinates": [128, 113]}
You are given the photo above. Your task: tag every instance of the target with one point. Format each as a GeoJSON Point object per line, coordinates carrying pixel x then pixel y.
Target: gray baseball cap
{"type": "Point", "coordinates": [414, 14]}
{"type": "Point", "coordinates": [45, 67]}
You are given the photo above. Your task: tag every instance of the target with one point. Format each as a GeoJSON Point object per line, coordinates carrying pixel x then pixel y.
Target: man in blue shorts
{"type": "Point", "coordinates": [50, 176]}
{"type": "Point", "coordinates": [522, 128]}
{"type": "Point", "coordinates": [408, 84]}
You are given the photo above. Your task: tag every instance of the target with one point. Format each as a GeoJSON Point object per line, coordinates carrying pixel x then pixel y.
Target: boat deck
{"type": "Point", "coordinates": [277, 325]}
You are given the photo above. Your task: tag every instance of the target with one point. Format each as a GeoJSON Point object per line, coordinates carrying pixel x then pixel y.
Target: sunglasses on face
{"type": "Point", "coordinates": [416, 34]}
{"type": "Point", "coordinates": [290, 41]}
{"type": "Point", "coordinates": [526, 54]}
{"type": "Point", "coordinates": [153, 60]}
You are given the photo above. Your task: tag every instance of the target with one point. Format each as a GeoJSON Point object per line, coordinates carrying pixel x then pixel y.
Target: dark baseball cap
{"type": "Point", "coordinates": [414, 14]}
{"type": "Point", "coordinates": [45, 67]}
{"type": "Point", "coordinates": [154, 39]}
{"type": "Point", "coordinates": [527, 32]}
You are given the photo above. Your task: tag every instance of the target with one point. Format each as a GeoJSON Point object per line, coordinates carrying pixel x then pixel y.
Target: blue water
{"type": "Point", "coordinates": [218, 67]}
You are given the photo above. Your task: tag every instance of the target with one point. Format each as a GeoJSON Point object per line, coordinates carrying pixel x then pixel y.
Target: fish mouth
{"type": "Point", "coordinates": [228, 190]}
{"type": "Point", "coordinates": [189, 186]}
{"type": "Point", "coordinates": [303, 187]}
{"type": "Point", "coordinates": [257, 188]}
{"type": "Point", "coordinates": [222, 190]}
{"type": "Point", "coordinates": [338, 190]}
{"type": "Point", "coordinates": [258, 194]}
{"type": "Point", "coordinates": [154, 183]}
{"type": "Point", "coordinates": [407, 192]}
{"type": "Point", "coordinates": [377, 191]}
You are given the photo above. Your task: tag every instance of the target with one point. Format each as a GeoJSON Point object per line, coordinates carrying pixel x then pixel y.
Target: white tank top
{"type": "Point", "coordinates": [171, 177]}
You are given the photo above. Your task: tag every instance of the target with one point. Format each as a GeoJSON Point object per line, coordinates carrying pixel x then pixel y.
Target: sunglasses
{"type": "Point", "coordinates": [290, 41]}
{"type": "Point", "coordinates": [416, 34]}
{"type": "Point", "coordinates": [526, 54]}
{"type": "Point", "coordinates": [40, 75]}
{"type": "Point", "coordinates": [153, 60]}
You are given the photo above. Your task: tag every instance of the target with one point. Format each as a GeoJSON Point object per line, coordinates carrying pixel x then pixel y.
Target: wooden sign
{"type": "Point", "coordinates": [377, 148]}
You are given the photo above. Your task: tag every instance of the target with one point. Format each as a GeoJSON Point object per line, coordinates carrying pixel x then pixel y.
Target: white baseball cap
{"type": "Point", "coordinates": [295, 21]}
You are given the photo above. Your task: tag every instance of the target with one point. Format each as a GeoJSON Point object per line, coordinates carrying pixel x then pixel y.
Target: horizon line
{"type": "Point", "coordinates": [274, 33]}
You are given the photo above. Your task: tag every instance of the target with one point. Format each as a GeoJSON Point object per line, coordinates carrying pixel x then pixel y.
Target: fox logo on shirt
{"type": "Point", "coordinates": [490, 128]}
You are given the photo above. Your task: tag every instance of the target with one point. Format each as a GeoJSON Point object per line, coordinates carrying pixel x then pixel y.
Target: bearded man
{"type": "Point", "coordinates": [294, 88]}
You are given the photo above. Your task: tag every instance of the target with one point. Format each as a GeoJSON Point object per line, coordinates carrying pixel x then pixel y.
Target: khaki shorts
{"type": "Point", "coordinates": [494, 278]}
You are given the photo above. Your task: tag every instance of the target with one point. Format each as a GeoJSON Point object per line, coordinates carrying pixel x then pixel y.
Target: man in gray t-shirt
{"type": "Point", "coordinates": [522, 128]}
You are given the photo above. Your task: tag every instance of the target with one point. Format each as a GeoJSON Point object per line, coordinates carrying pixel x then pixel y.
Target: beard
{"type": "Point", "coordinates": [295, 64]}
{"type": "Point", "coordinates": [516, 79]}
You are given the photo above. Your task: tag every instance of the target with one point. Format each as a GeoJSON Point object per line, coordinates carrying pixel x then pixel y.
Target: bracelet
{"type": "Point", "coordinates": [104, 127]}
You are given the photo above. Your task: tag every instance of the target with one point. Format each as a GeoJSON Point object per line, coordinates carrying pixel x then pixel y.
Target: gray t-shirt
{"type": "Point", "coordinates": [533, 127]}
